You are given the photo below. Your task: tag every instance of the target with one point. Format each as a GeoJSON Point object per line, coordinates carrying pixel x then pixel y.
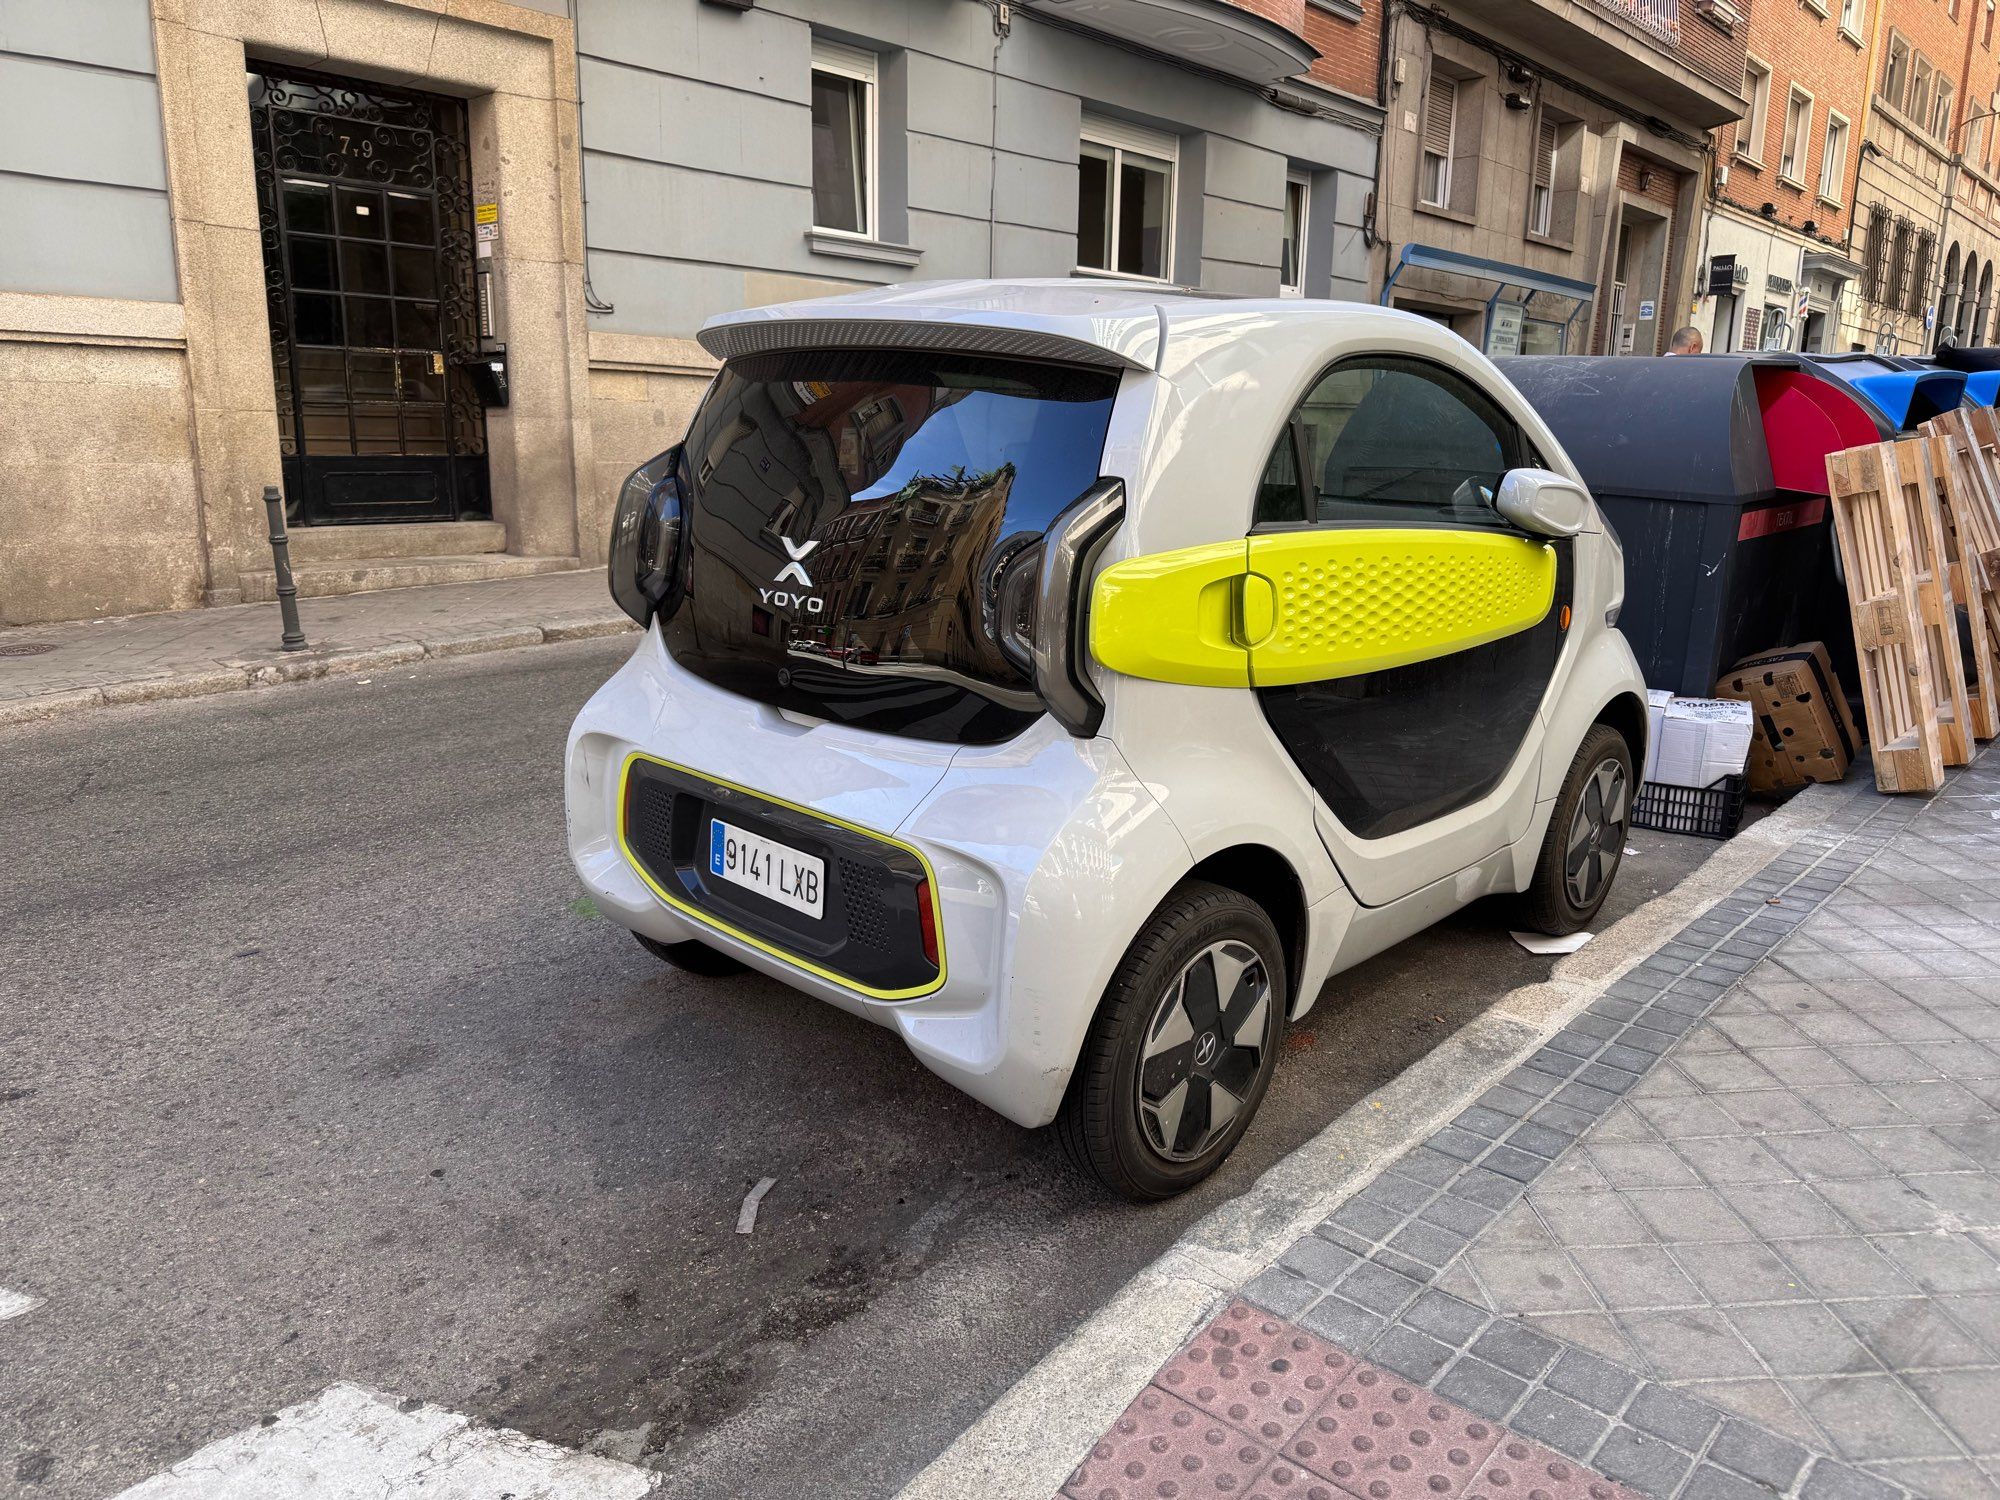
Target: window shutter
{"type": "Point", "coordinates": [1439, 110]}
{"type": "Point", "coordinates": [1545, 154]}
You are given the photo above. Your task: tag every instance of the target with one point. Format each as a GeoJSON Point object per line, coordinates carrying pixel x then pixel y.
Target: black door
{"type": "Point", "coordinates": [365, 201]}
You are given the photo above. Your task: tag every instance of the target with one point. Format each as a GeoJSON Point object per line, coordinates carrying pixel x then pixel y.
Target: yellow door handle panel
{"type": "Point", "coordinates": [1308, 606]}
{"type": "Point", "coordinates": [1173, 616]}
{"type": "Point", "coordinates": [1349, 602]}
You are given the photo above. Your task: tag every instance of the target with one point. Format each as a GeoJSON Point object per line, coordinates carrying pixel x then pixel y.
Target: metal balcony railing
{"type": "Point", "coordinates": [1661, 17]}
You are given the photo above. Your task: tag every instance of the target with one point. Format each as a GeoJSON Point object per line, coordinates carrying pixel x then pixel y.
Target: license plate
{"type": "Point", "coordinates": [771, 869]}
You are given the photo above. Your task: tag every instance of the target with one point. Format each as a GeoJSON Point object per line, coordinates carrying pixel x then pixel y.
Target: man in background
{"type": "Point", "coordinates": [1685, 341]}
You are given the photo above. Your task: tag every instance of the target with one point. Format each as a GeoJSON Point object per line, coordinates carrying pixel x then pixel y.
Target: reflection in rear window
{"type": "Point", "coordinates": [855, 520]}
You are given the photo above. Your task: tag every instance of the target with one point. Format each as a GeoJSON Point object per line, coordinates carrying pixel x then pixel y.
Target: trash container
{"type": "Point", "coordinates": [1970, 358]}
{"type": "Point", "coordinates": [1712, 469]}
{"type": "Point", "coordinates": [1909, 398]}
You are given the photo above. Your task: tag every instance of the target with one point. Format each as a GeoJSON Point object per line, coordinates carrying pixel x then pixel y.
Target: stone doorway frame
{"type": "Point", "coordinates": [516, 70]}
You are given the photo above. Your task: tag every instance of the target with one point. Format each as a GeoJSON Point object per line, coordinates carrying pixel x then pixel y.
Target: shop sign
{"type": "Point", "coordinates": [1779, 285]}
{"type": "Point", "coordinates": [1721, 275]}
{"type": "Point", "coordinates": [1505, 337]}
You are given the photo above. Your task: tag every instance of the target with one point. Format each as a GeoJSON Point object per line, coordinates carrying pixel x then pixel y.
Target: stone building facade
{"type": "Point", "coordinates": [434, 269]}
{"type": "Point", "coordinates": [1543, 165]}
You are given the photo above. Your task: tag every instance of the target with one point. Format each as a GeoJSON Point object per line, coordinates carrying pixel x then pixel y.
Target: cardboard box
{"type": "Point", "coordinates": [1804, 729]}
{"type": "Point", "coordinates": [1701, 741]}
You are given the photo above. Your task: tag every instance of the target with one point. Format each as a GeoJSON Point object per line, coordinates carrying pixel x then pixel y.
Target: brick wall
{"type": "Point", "coordinates": [1711, 50]}
{"type": "Point", "coordinates": [1350, 51]}
{"type": "Point", "coordinates": [1809, 51]}
{"type": "Point", "coordinates": [1289, 14]}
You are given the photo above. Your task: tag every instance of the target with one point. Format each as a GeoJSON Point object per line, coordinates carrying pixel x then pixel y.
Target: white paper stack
{"type": "Point", "coordinates": [1700, 741]}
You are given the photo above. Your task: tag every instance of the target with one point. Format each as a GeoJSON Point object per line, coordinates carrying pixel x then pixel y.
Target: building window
{"type": "Point", "coordinates": [1440, 139]}
{"type": "Point", "coordinates": [1798, 135]}
{"type": "Point", "coordinates": [1921, 274]}
{"type": "Point", "coordinates": [1986, 36]}
{"type": "Point", "coordinates": [1895, 281]}
{"type": "Point", "coordinates": [1542, 183]}
{"type": "Point", "coordinates": [1555, 176]}
{"type": "Point", "coordinates": [1833, 158]}
{"type": "Point", "coordinates": [1874, 247]}
{"type": "Point", "coordinates": [1896, 72]}
{"type": "Point", "coordinates": [1125, 200]}
{"type": "Point", "coordinates": [1851, 15]}
{"type": "Point", "coordinates": [1292, 254]}
{"type": "Point", "coordinates": [1918, 107]}
{"type": "Point", "coordinates": [1757, 89]}
{"type": "Point", "coordinates": [843, 139]}
{"type": "Point", "coordinates": [1941, 113]}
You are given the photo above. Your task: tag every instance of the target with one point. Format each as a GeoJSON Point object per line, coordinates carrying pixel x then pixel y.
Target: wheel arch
{"type": "Point", "coordinates": [1626, 713]}
{"type": "Point", "coordinates": [1266, 877]}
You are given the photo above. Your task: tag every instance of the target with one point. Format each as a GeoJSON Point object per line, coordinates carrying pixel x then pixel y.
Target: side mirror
{"type": "Point", "coordinates": [1541, 502]}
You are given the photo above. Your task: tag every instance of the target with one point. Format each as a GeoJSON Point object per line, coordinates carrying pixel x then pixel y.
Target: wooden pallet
{"type": "Point", "coordinates": [1902, 685]}
{"type": "Point", "coordinates": [1972, 543]}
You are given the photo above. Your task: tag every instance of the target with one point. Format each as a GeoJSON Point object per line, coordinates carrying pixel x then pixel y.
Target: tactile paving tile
{"type": "Point", "coordinates": [1522, 1470]}
{"type": "Point", "coordinates": [1380, 1438]}
{"type": "Point", "coordinates": [1165, 1449]}
{"type": "Point", "coordinates": [1257, 1372]}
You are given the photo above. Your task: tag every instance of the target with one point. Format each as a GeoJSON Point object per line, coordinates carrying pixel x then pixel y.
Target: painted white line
{"type": "Point", "coordinates": [13, 1304]}
{"type": "Point", "coordinates": [1025, 1445]}
{"type": "Point", "coordinates": [746, 1216]}
{"type": "Point", "coordinates": [352, 1444]}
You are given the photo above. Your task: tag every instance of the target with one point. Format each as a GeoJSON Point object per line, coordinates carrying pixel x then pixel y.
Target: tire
{"type": "Point", "coordinates": [690, 957]}
{"type": "Point", "coordinates": [1594, 810]}
{"type": "Point", "coordinates": [1119, 1108]}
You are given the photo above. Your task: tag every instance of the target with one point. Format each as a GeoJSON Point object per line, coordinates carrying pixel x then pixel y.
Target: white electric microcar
{"type": "Point", "coordinates": [1071, 675]}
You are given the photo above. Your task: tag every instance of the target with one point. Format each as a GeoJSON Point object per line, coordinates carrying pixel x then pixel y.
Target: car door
{"type": "Point", "coordinates": [1402, 634]}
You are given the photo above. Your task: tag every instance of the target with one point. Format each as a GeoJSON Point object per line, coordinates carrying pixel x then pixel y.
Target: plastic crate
{"type": "Point", "coordinates": [1707, 812]}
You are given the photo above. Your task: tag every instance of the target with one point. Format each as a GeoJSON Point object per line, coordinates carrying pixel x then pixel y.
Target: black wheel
{"type": "Point", "coordinates": [694, 958]}
{"type": "Point", "coordinates": [1586, 837]}
{"type": "Point", "coordinates": [1182, 1047]}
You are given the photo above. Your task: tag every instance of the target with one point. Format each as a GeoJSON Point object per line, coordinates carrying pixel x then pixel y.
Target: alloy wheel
{"type": "Point", "coordinates": [1204, 1048]}
{"type": "Point", "coordinates": [1596, 834]}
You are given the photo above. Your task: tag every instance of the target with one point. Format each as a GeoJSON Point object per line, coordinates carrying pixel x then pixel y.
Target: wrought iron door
{"type": "Point", "coordinates": [365, 201]}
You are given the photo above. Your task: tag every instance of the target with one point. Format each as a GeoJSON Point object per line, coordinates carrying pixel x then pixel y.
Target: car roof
{"type": "Point", "coordinates": [1098, 321]}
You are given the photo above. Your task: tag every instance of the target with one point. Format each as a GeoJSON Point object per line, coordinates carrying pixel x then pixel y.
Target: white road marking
{"type": "Point", "coordinates": [353, 1444]}
{"type": "Point", "coordinates": [746, 1216]}
{"type": "Point", "coordinates": [13, 1304]}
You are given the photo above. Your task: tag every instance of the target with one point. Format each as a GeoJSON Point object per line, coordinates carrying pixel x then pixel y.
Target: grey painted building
{"type": "Point", "coordinates": [251, 245]}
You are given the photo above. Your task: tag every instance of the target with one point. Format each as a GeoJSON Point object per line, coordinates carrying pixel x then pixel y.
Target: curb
{"type": "Point", "coordinates": [236, 677]}
{"type": "Point", "coordinates": [1027, 1442]}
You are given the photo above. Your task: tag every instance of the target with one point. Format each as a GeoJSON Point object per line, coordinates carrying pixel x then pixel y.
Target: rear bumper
{"type": "Point", "coordinates": [1047, 854]}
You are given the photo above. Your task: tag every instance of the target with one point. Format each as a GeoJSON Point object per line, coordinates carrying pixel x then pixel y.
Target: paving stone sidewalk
{"type": "Point", "coordinates": [1733, 1232]}
{"type": "Point", "coordinates": [53, 669]}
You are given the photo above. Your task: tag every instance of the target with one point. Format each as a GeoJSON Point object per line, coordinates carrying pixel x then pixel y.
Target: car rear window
{"type": "Point", "coordinates": [852, 520]}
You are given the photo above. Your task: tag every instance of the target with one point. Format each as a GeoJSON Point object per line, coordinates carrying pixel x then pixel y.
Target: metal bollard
{"type": "Point", "coordinates": [281, 558]}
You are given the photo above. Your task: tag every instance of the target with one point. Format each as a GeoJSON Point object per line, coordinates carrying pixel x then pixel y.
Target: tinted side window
{"type": "Point", "coordinates": [1392, 441]}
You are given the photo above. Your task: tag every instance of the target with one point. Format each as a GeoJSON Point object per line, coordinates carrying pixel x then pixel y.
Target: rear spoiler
{"type": "Point", "coordinates": [750, 334]}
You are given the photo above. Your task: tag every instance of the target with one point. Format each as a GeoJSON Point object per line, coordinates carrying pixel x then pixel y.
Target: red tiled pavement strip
{"type": "Point", "coordinates": [1256, 1408]}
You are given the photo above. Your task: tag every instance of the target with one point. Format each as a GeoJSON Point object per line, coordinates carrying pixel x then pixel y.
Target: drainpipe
{"type": "Point", "coordinates": [591, 301]}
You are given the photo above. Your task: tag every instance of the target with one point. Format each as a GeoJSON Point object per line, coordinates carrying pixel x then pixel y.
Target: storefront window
{"type": "Point", "coordinates": [1541, 336]}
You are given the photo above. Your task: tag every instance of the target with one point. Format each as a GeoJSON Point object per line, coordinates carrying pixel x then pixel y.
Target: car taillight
{"type": "Point", "coordinates": [1068, 554]}
{"type": "Point", "coordinates": [927, 920]}
{"type": "Point", "coordinates": [645, 539]}
{"type": "Point", "coordinates": [1012, 605]}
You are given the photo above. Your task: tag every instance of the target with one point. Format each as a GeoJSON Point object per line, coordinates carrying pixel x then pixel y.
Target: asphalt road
{"type": "Point", "coordinates": [314, 1067]}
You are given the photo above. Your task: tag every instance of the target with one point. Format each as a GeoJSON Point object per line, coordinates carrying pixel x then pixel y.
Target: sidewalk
{"type": "Point", "coordinates": [1732, 1232]}
{"type": "Point", "coordinates": [47, 670]}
